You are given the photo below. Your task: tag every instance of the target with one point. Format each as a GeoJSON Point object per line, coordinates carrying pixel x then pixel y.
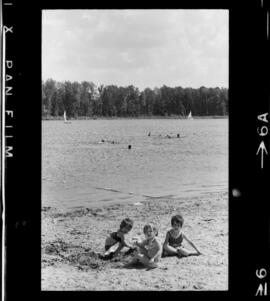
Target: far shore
{"type": "Point", "coordinates": [132, 117]}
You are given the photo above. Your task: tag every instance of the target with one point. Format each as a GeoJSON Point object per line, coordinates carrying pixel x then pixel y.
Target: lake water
{"type": "Point", "coordinates": [79, 170]}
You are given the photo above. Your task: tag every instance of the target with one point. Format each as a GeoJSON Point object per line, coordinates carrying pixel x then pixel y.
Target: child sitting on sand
{"type": "Point", "coordinates": [150, 249]}
{"type": "Point", "coordinates": [118, 238]}
{"type": "Point", "coordinates": [174, 238]}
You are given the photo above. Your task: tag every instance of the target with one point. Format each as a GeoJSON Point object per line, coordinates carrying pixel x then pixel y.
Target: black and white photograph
{"type": "Point", "coordinates": [135, 150]}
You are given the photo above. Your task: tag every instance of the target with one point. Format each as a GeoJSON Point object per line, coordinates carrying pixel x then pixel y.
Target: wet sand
{"type": "Point", "coordinates": [72, 238]}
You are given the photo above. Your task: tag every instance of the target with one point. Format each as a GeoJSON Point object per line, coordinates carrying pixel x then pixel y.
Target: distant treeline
{"type": "Point", "coordinates": [88, 100]}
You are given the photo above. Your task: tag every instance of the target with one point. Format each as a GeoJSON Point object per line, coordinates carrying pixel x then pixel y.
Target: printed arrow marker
{"type": "Point", "coordinates": [262, 148]}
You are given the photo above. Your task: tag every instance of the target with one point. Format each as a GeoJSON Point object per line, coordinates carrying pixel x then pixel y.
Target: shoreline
{"type": "Point", "coordinates": [139, 117]}
{"type": "Point", "coordinates": [185, 196]}
{"type": "Point", "coordinates": [70, 235]}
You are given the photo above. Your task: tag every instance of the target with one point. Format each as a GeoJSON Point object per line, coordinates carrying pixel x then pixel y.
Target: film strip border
{"type": "Point", "coordinates": [7, 82]}
{"type": "Point", "coordinates": [7, 118]}
{"type": "Point", "coordinates": [260, 271]}
{"type": "Point", "coordinates": [263, 117]}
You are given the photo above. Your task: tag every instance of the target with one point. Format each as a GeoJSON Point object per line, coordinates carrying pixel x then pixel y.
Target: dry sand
{"type": "Point", "coordinates": [71, 238]}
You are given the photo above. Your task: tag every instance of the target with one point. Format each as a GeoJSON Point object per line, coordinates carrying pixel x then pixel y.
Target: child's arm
{"type": "Point", "coordinates": [191, 243]}
{"type": "Point", "coordinates": [166, 242]}
{"type": "Point", "coordinates": [142, 248]}
{"type": "Point", "coordinates": [158, 251]}
{"type": "Point", "coordinates": [117, 251]}
{"type": "Point", "coordinates": [123, 242]}
{"type": "Point", "coordinates": [142, 244]}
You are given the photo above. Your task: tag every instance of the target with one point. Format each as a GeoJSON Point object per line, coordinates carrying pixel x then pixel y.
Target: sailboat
{"type": "Point", "coordinates": [190, 116]}
{"type": "Point", "coordinates": [65, 118]}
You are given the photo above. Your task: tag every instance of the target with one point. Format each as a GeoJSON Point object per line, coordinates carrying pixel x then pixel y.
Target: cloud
{"type": "Point", "coordinates": [131, 29]}
{"type": "Point", "coordinates": [144, 47]}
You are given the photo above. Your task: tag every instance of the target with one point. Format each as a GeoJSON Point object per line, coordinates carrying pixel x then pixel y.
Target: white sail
{"type": "Point", "coordinates": [190, 115]}
{"type": "Point", "coordinates": [65, 118]}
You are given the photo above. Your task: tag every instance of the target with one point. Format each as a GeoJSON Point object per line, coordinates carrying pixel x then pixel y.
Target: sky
{"type": "Point", "coordinates": [144, 48]}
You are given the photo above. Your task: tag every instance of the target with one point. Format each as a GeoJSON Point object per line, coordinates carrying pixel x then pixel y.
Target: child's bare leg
{"type": "Point", "coordinates": [185, 252]}
{"type": "Point", "coordinates": [133, 261]}
{"type": "Point", "coordinates": [152, 265]}
{"type": "Point", "coordinates": [146, 261]}
{"type": "Point", "coordinates": [120, 247]}
{"type": "Point", "coordinates": [143, 259]}
{"type": "Point", "coordinates": [143, 251]}
{"type": "Point", "coordinates": [169, 250]}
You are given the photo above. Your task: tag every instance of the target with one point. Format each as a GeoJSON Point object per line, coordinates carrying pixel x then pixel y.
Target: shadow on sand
{"type": "Point", "coordinates": [137, 266]}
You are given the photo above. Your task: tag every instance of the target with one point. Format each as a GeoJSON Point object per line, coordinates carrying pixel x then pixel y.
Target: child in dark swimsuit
{"type": "Point", "coordinates": [118, 238]}
{"type": "Point", "coordinates": [174, 238]}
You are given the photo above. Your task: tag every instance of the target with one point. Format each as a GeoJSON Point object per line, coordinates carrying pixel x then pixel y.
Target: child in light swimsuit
{"type": "Point", "coordinates": [118, 238]}
{"type": "Point", "coordinates": [150, 249]}
{"type": "Point", "coordinates": [174, 238]}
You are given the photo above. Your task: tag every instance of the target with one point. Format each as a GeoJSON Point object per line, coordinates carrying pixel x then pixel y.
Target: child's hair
{"type": "Point", "coordinates": [153, 228]}
{"type": "Point", "coordinates": [126, 222]}
{"type": "Point", "coordinates": [177, 219]}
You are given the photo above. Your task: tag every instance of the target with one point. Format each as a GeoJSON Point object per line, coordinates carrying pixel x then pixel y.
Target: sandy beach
{"type": "Point", "coordinates": [71, 239]}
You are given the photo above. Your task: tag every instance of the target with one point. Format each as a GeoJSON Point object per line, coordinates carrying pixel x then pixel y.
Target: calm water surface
{"type": "Point", "coordinates": [79, 170]}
